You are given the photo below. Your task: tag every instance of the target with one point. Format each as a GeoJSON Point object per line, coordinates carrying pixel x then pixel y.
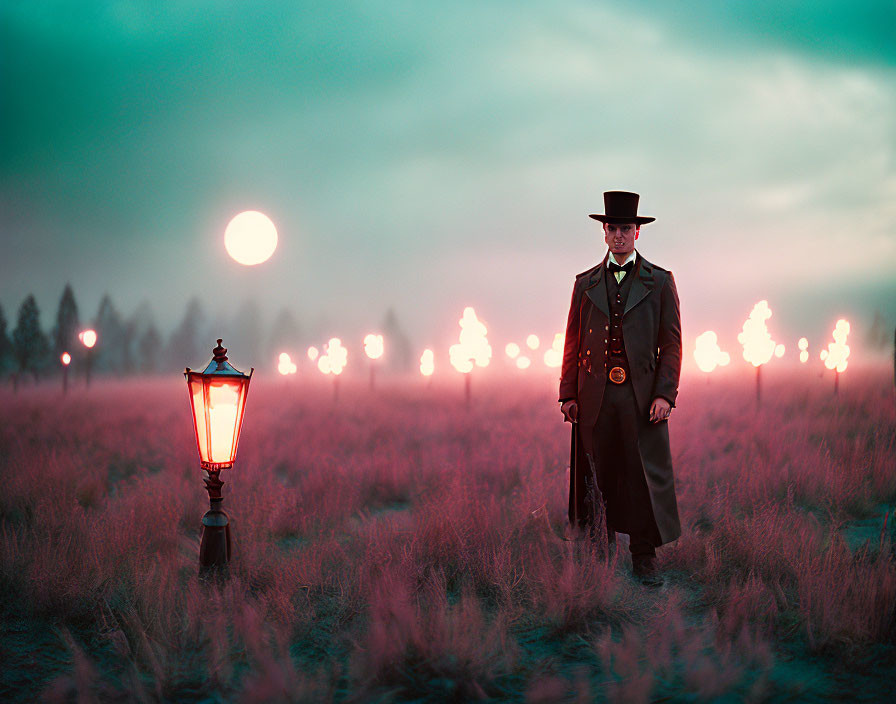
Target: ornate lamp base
{"type": "Point", "coordinates": [214, 550]}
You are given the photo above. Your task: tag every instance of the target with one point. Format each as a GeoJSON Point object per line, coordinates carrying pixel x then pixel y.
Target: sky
{"type": "Point", "coordinates": [428, 156]}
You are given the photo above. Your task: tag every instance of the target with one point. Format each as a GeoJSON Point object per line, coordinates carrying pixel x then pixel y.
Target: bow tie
{"type": "Point", "coordinates": [613, 266]}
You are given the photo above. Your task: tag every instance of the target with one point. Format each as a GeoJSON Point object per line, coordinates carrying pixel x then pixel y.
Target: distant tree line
{"type": "Point", "coordinates": [131, 345]}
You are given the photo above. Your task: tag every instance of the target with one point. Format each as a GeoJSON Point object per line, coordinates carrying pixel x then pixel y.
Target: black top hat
{"type": "Point", "coordinates": [621, 207]}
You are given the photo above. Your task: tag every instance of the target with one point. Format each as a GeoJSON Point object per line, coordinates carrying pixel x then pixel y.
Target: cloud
{"type": "Point", "coordinates": [395, 142]}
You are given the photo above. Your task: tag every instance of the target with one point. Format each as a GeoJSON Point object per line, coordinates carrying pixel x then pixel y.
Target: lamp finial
{"type": "Point", "coordinates": [220, 353]}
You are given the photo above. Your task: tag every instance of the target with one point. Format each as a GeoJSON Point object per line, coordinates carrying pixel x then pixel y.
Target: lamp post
{"type": "Point", "coordinates": [709, 355]}
{"type": "Point", "coordinates": [333, 362]}
{"type": "Point", "coordinates": [427, 365]}
{"type": "Point", "coordinates": [373, 348]}
{"type": "Point", "coordinates": [472, 348]}
{"type": "Point", "coordinates": [66, 359]}
{"type": "Point", "coordinates": [218, 399]}
{"type": "Point", "coordinates": [88, 339]}
{"type": "Point", "coordinates": [835, 356]}
{"type": "Point", "coordinates": [757, 342]}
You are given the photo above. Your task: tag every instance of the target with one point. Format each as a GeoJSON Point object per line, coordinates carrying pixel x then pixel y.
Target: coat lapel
{"type": "Point", "coordinates": [598, 293]}
{"type": "Point", "coordinates": [641, 286]}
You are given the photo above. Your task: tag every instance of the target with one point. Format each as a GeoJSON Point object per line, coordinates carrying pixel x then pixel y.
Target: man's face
{"type": "Point", "coordinates": [621, 238]}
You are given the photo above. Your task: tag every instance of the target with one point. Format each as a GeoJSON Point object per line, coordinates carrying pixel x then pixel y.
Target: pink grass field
{"type": "Point", "coordinates": [398, 546]}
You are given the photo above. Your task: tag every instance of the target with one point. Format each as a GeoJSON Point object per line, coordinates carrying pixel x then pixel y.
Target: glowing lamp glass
{"type": "Point", "coordinates": [88, 338]}
{"type": "Point", "coordinates": [373, 346]}
{"type": "Point", "coordinates": [218, 399]}
{"type": "Point", "coordinates": [66, 358]}
{"type": "Point", "coordinates": [427, 362]}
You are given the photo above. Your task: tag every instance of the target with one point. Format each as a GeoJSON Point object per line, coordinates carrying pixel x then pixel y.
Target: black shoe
{"type": "Point", "coordinates": [644, 569]}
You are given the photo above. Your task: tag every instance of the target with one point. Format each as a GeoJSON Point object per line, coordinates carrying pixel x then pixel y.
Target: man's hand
{"type": "Point", "coordinates": [570, 410]}
{"type": "Point", "coordinates": [659, 410]}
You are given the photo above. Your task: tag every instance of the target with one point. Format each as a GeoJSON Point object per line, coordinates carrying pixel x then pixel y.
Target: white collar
{"type": "Point", "coordinates": [631, 257]}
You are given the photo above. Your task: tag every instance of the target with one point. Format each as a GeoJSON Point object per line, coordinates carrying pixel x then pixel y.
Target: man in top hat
{"type": "Point", "coordinates": [618, 385]}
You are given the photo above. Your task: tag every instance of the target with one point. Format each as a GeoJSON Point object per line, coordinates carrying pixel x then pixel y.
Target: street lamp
{"type": "Point", "coordinates": [66, 359]}
{"type": "Point", "coordinates": [88, 339]}
{"type": "Point", "coordinates": [373, 348]}
{"type": "Point", "coordinates": [218, 399]}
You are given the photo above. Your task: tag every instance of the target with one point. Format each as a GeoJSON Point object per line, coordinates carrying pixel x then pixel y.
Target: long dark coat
{"type": "Point", "coordinates": [651, 328]}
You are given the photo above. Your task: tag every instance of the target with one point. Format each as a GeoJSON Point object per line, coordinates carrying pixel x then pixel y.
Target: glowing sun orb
{"type": "Point", "coordinates": [250, 238]}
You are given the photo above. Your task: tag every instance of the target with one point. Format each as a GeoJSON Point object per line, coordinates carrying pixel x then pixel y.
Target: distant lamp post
{"type": "Point", "coordinates": [285, 365]}
{"type": "Point", "coordinates": [88, 339]}
{"type": "Point", "coordinates": [803, 344]}
{"type": "Point", "coordinates": [373, 348]}
{"type": "Point", "coordinates": [757, 342]}
{"type": "Point", "coordinates": [66, 359]}
{"type": "Point", "coordinates": [835, 356]}
{"type": "Point", "coordinates": [427, 365]}
{"type": "Point", "coordinates": [218, 399]}
{"type": "Point", "coordinates": [333, 362]}
{"type": "Point", "coordinates": [553, 358]}
{"type": "Point", "coordinates": [708, 354]}
{"type": "Point", "coordinates": [472, 348]}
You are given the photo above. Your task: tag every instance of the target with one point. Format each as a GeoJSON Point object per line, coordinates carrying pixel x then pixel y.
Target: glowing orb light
{"type": "Point", "coordinates": [285, 365]}
{"type": "Point", "coordinates": [313, 352]}
{"type": "Point", "coordinates": [803, 344]}
{"type": "Point", "coordinates": [373, 346]}
{"type": "Point", "coordinates": [523, 362]}
{"type": "Point", "coordinates": [427, 363]}
{"type": "Point", "coordinates": [335, 359]}
{"type": "Point", "coordinates": [532, 342]}
{"type": "Point", "coordinates": [250, 238]}
{"type": "Point", "coordinates": [88, 338]}
{"type": "Point", "coordinates": [779, 351]}
{"type": "Point", "coordinates": [755, 338]}
{"type": "Point", "coordinates": [835, 356]}
{"type": "Point", "coordinates": [472, 347]}
{"type": "Point", "coordinates": [66, 358]}
{"type": "Point", "coordinates": [512, 350]}
{"type": "Point", "coordinates": [554, 356]}
{"type": "Point", "coordinates": [708, 354]}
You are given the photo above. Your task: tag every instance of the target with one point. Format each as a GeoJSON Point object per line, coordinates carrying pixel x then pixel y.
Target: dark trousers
{"type": "Point", "coordinates": [620, 475]}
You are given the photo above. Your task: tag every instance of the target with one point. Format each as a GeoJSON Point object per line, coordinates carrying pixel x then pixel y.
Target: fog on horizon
{"type": "Point", "coordinates": [424, 158]}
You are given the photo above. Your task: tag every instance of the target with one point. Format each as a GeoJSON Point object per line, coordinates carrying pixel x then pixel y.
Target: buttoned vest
{"type": "Point", "coordinates": [617, 295]}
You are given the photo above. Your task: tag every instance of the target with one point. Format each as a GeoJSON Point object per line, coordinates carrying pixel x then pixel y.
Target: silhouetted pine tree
{"type": "Point", "coordinates": [111, 346]}
{"type": "Point", "coordinates": [7, 359]}
{"type": "Point", "coordinates": [65, 333]}
{"type": "Point", "coordinates": [245, 336]}
{"type": "Point", "coordinates": [877, 335]}
{"type": "Point", "coordinates": [184, 349]}
{"type": "Point", "coordinates": [149, 349]}
{"type": "Point", "coordinates": [128, 347]}
{"type": "Point", "coordinates": [285, 336]}
{"type": "Point", "coordinates": [398, 352]}
{"type": "Point", "coordinates": [144, 342]}
{"type": "Point", "coordinates": [30, 346]}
